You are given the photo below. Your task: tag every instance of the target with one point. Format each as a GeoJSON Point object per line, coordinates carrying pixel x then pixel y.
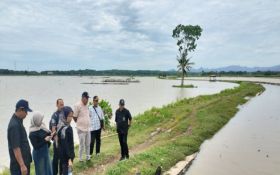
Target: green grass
{"type": "Point", "coordinates": [192, 122]}
{"type": "Point", "coordinates": [181, 129]}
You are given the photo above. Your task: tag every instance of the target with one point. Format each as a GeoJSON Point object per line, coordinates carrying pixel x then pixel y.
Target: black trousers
{"type": "Point", "coordinates": [64, 167]}
{"type": "Point", "coordinates": [18, 172]}
{"type": "Point", "coordinates": [95, 137]}
{"type": "Point", "coordinates": [123, 144]}
{"type": "Point", "coordinates": [55, 161]}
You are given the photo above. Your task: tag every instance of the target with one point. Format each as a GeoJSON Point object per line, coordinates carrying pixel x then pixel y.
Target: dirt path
{"type": "Point", "coordinates": [100, 169]}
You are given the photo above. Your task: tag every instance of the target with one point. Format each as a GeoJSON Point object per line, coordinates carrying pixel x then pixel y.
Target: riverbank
{"type": "Point", "coordinates": [247, 144]}
{"type": "Point", "coordinates": [165, 136]}
{"type": "Point", "coordinates": [261, 80]}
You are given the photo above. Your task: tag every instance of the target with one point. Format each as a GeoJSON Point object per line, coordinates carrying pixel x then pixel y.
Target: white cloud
{"type": "Point", "coordinates": [136, 33]}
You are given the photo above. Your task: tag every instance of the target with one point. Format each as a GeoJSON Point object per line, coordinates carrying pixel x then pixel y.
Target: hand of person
{"type": "Point", "coordinates": [48, 138]}
{"type": "Point", "coordinates": [54, 137]}
{"type": "Point", "coordinates": [23, 170]}
{"type": "Point", "coordinates": [70, 163]}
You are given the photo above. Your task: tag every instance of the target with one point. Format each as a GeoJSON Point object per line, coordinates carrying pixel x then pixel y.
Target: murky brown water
{"type": "Point", "coordinates": [42, 92]}
{"type": "Point", "coordinates": [249, 144]}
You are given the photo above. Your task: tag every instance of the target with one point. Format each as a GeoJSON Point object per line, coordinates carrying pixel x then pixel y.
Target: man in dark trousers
{"type": "Point", "coordinates": [57, 115]}
{"type": "Point", "coordinates": [19, 149]}
{"type": "Point", "coordinates": [123, 122]}
{"type": "Point", "coordinates": [97, 124]}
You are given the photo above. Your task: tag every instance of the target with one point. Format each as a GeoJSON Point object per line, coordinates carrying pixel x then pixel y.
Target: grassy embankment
{"type": "Point", "coordinates": [164, 136]}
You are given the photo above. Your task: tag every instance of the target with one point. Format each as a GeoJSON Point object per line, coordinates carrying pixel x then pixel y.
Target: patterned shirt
{"type": "Point", "coordinates": [56, 118]}
{"type": "Point", "coordinates": [95, 121]}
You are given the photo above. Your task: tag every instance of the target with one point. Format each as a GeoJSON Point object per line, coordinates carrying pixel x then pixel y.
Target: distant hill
{"type": "Point", "coordinates": [239, 69]}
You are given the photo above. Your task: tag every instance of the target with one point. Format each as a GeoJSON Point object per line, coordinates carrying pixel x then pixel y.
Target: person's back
{"type": "Point", "coordinates": [40, 137]}
{"type": "Point", "coordinates": [37, 139]}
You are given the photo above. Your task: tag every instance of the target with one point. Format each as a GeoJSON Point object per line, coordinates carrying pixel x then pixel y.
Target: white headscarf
{"type": "Point", "coordinates": [37, 122]}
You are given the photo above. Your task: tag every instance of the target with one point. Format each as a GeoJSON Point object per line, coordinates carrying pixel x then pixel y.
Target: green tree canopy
{"type": "Point", "coordinates": [186, 36]}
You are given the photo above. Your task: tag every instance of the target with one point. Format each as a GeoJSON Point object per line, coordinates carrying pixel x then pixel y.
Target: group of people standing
{"type": "Point", "coordinates": [89, 124]}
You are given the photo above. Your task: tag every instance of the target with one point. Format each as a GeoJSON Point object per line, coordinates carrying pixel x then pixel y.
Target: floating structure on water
{"type": "Point", "coordinates": [128, 80]}
{"type": "Point", "coordinates": [213, 78]}
{"type": "Point", "coordinates": [115, 81]}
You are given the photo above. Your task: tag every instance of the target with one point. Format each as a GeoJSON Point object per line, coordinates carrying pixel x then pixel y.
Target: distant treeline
{"type": "Point", "coordinates": [89, 72]}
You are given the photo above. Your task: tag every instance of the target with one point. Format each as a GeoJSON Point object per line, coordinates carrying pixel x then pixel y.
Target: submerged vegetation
{"type": "Point", "coordinates": [185, 86]}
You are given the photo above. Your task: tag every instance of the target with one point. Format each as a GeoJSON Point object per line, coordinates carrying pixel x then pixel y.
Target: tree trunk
{"type": "Point", "coordinates": [182, 81]}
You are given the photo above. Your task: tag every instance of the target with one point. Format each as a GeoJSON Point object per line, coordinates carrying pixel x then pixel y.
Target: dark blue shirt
{"type": "Point", "coordinates": [17, 138]}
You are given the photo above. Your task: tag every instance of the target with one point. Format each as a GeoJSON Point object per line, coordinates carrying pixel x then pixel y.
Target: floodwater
{"type": "Point", "coordinates": [275, 80]}
{"type": "Point", "coordinates": [249, 144]}
{"type": "Point", "coordinates": [42, 92]}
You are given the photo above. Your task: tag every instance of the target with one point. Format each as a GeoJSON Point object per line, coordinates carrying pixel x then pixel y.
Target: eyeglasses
{"type": "Point", "coordinates": [95, 100]}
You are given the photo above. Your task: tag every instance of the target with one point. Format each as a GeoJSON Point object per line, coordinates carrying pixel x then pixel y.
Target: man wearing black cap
{"type": "Point", "coordinates": [19, 149]}
{"type": "Point", "coordinates": [123, 122]}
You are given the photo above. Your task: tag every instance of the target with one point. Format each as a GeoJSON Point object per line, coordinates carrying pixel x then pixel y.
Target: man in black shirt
{"type": "Point", "coordinates": [19, 149]}
{"type": "Point", "coordinates": [123, 122]}
{"type": "Point", "coordinates": [57, 115]}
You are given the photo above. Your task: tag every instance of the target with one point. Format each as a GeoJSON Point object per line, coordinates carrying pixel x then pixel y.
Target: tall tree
{"type": "Point", "coordinates": [186, 36]}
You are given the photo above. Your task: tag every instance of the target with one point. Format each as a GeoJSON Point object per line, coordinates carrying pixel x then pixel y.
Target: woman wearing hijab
{"type": "Point", "coordinates": [66, 141]}
{"type": "Point", "coordinates": [40, 138]}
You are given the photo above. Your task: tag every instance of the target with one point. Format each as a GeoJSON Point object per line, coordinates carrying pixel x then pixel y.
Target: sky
{"type": "Point", "coordinates": [136, 34]}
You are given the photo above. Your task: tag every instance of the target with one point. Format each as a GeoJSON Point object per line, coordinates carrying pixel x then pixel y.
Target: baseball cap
{"type": "Point", "coordinates": [85, 94]}
{"type": "Point", "coordinates": [23, 104]}
{"type": "Point", "coordinates": [122, 103]}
